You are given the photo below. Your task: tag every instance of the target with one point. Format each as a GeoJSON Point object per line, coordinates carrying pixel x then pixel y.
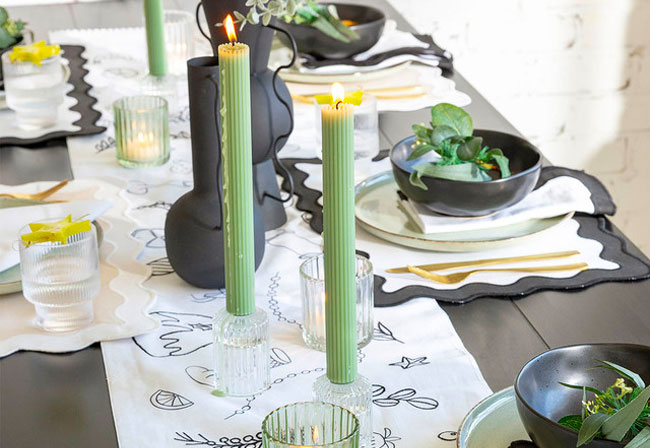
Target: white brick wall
{"type": "Point", "coordinates": [571, 75]}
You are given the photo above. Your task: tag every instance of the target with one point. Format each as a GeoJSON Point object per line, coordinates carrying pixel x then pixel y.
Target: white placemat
{"type": "Point", "coordinates": [121, 309]}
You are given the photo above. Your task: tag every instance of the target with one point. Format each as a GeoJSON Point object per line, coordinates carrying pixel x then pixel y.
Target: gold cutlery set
{"type": "Point", "coordinates": [387, 93]}
{"type": "Point", "coordinates": [425, 271]}
{"type": "Point", "coordinates": [36, 196]}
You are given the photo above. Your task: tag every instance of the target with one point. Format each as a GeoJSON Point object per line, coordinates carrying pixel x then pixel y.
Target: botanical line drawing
{"type": "Point", "coordinates": [153, 238]}
{"type": "Point", "coordinates": [274, 306]}
{"type": "Point", "coordinates": [162, 205]}
{"type": "Point", "coordinates": [448, 436]}
{"type": "Point", "coordinates": [406, 395]}
{"type": "Point", "coordinates": [248, 441]}
{"type": "Point", "coordinates": [209, 296]}
{"type": "Point", "coordinates": [179, 334]}
{"type": "Point", "coordinates": [160, 266]}
{"type": "Point", "coordinates": [407, 363]}
{"type": "Point", "coordinates": [385, 439]}
{"type": "Point", "coordinates": [279, 357]}
{"type": "Point", "coordinates": [169, 401]}
{"type": "Point", "coordinates": [383, 333]}
{"type": "Point", "coordinates": [201, 375]}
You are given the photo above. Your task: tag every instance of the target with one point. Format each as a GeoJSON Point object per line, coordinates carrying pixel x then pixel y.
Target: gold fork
{"type": "Point", "coordinates": [458, 277]}
{"type": "Point", "coordinates": [36, 196]}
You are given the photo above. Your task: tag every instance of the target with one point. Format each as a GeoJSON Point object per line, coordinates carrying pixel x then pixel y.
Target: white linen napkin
{"type": "Point", "coordinates": [14, 219]}
{"type": "Point", "coordinates": [556, 197]}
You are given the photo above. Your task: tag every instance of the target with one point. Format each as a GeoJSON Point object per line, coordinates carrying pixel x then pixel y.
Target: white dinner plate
{"type": "Point", "coordinates": [378, 212]}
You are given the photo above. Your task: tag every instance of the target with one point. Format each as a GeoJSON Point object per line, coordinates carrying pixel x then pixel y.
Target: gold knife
{"type": "Point", "coordinates": [488, 262]}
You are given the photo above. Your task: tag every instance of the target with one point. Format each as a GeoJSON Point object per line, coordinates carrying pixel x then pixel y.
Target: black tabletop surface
{"type": "Point", "coordinates": [62, 400]}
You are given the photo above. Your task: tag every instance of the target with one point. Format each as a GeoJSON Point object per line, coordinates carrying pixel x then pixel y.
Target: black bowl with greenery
{"type": "Point", "coordinates": [542, 399]}
{"type": "Point", "coordinates": [364, 21]}
{"type": "Point", "coordinates": [469, 198]}
{"type": "Point", "coordinates": [11, 34]}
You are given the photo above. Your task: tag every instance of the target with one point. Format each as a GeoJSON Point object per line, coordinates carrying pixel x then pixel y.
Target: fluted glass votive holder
{"type": "Point", "coordinates": [310, 424]}
{"type": "Point", "coordinates": [241, 353]}
{"type": "Point", "coordinates": [141, 131]}
{"type": "Point", "coordinates": [61, 280]}
{"type": "Point", "coordinates": [312, 288]}
{"type": "Point", "coordinates": [178, 29]}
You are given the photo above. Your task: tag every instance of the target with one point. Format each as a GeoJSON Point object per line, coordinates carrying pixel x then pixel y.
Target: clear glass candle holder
{"type": "Point", "coordinates": [61, 280]}
{"type": "Point", "coordinates": [34, 92]}
{"type": "Point", "coordinates": [355, 396]}
{"type": "Point", "coordinates": [366, 127]}
{"type": "Point", "coordinates": [310, 424]}
{"type": "Point", "coordinates": [241, 353]}
{"type": "Point", "coordinates": [312, 289]}
{"type": "Point", "coordinates": [141, 131]}
{"type": "Point", "coordinates": [178, 29]}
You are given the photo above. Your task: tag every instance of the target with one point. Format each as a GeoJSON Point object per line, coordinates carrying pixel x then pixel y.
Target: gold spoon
{"type": "Point", "coordinates": [36, 196]}
{"type": "Point", "coordinates": [458, 277]}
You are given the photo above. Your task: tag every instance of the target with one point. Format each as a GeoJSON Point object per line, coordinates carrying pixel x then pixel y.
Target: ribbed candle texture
{"type": "Point", "coordinates": [154, 25]}
{"type": "Point", "coordinates": [338, 236]}
{"type": "Point", "coordinates": [237, 162]}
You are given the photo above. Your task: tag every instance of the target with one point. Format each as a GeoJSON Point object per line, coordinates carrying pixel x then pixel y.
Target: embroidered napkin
{"type": "Point", "coordinates": [557, 196]}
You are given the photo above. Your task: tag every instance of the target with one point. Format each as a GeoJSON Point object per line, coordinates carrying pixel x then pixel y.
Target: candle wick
{"type": "Point", "coordinates": [337, 104]}
{"type": "Point", "coordinates": [232, 43]}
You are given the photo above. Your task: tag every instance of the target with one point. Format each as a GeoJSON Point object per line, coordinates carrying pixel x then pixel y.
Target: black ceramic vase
{"type": "Point", "coordinates": [194, 235]}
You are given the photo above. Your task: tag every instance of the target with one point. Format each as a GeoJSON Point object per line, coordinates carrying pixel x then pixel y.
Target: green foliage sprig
{"type": "Point", "coordinates": [620, 413]}
{"type": "Point", "coordinates": [463, 156]}
{"type": "Point", "coordinates": [10, 30]}
{"type": "Point", "coordinates": [324, 18]}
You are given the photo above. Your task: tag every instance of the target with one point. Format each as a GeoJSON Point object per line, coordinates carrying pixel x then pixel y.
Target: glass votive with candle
{"type": "Point", "coordinates": [310, 424]}
{"type": "Point", "coordinates": [366, 127]}
{"type": "Point", "coordinates": [178, 27]}
{"type": "Point", "coordinates": [312, 288]}
{"type": "Point", "coordinates": [141, 131]}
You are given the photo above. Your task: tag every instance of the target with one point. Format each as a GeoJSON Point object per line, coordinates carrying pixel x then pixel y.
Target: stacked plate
{"type": "Point", "coordinates": [384, 219]}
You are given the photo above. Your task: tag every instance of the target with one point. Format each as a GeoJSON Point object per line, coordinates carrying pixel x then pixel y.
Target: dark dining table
{"type": "Point", "coordinates": [62, 400]}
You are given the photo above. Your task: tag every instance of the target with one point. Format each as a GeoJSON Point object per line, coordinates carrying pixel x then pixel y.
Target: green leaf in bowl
{"type": "Point", "coordinates": [445, 114]}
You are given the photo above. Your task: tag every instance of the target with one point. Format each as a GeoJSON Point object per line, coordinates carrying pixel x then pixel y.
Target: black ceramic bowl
{"type": "Point", "coordinates": [542, 401]}
{"type": "Point", "coordinates": [370, 21]}
{"type": "Point", "coordinates": [460, 198]}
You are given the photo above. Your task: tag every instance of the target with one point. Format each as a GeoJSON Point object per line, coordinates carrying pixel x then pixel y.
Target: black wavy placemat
{"type": "Point", "coordinates": [84, 105]}
{"type": "Point", "coordinates": [631, 267]}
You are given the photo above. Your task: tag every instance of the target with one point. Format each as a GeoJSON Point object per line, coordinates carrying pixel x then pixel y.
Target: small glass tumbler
{"type": "Point", "coordinates": [178, 27]}
{"type": "Point", "coordinates": [310, 424]}
{"type": "Point", "coordinates": [61, 280]}
{"type": "Point", "coordinates": [34, 92]}
{"type": "Point", "coordinates": [241, 353]}
{"type": "Point", "coordinates": [312, 289]}
{"type": "Point", "coordinates": [141, 131]}
{"type": "Point", "coordinates": [366, 127]}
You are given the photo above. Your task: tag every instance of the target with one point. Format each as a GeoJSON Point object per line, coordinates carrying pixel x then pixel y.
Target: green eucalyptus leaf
{"type": "Point", "coordinates": [239, 17]}
{"type": "Point", "coordinates": [467, 172]}
{"type": "Point", "coordinates": [502, 161]}
{"type": "Point", "coordinates": [620, 423]}
{"type": "Point", "coordinates": [445, 114]}
{"type": "Point", "coordinates": [6, 39]}
{"type": "Point", "coordinates": [573, 422]}
{"type": "Point", "coordinates": [642, 439]}
{"type": "Point", "coordinates": [469, 149]}
{"type": "Point", "coordinates": [321, 24]}
{"type": "Point", "coordinates": [442, 133]}
{"type": "Point", "coordinates": [253, 16]}
{"type": "Point", "coordinates": [589, 389]}
{"type": "Point", "coordinates": [590, 428]}
{"type": "Point", "coordinates": [422, 132]}
{"type": "Point", "coordinates": [266, 18]}
{"type": "Point", "coordinates": [420, 150]}
{"type": "Point", "coordinates": [291, 7]}
{"type": "Point", "coordinates": [626, 373]}
{"type": "Point", "coordinates": [4, 15]}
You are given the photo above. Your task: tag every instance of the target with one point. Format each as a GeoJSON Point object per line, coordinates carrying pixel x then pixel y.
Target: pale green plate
{"type": "Point", "coordinates": [493, 423]}
{"type": "Point", "coordinates": [377, 211]}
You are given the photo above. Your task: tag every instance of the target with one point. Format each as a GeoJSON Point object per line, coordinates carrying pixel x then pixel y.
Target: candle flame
{"type": "Point", "coordinates": [230, 28]}
{"type": "Point", "coordinates": [314, 434]}
{"type": "Point", "coordinates": [338, 93]}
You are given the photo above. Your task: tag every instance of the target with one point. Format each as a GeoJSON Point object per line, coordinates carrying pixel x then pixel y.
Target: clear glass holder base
{"type": "Point", "coordinates": [241, 353]}
{"type": "Point", "coordinates": [355, 396]}
{"type": "Point", "coordinates": [163, 86]}
{"type": "Point", "coordinates": [64, 318]}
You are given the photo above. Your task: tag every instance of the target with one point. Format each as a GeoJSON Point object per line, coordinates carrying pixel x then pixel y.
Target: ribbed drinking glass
{"type": "Point", "coordinates": [178, 26]}
{"type": "Point", "coordinates": [61, 280]}
{"type": "Point", "coordinates": [310, 424]}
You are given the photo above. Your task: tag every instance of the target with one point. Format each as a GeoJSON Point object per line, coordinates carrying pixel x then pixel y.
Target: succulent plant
{"type": "Point", "coordinates": [10, 30]}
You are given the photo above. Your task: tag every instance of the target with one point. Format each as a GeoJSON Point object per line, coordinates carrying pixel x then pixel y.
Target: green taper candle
{"type": "Point", "coordinates": [154, 25]}
{"type": "Point", "coordinates": [237, 162]}
{"type": "Point", "coordinates": [338, 235]}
